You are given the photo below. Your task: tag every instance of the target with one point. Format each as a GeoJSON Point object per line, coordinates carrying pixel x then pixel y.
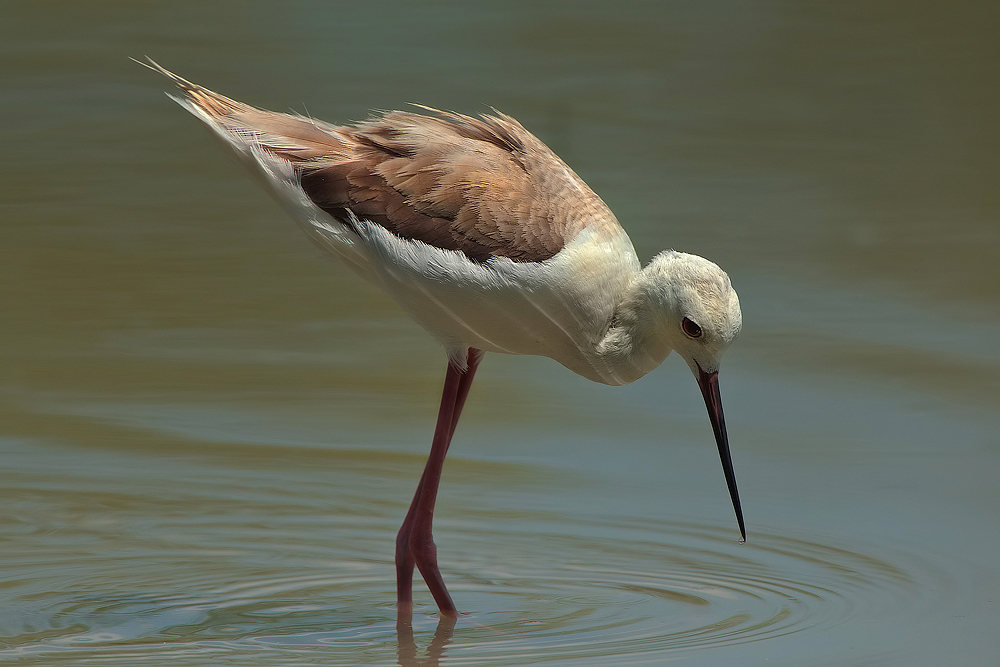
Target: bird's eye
{"type": "Point", "coordinates": [690, 328]}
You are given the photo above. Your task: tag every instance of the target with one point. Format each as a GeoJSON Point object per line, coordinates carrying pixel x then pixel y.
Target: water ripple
{"type": "Point", "coordinates": [633, 597]}
{"type": "Point", "coordinates": [528, 597]}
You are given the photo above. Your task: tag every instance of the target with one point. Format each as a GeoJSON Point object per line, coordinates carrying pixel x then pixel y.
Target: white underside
{"type": "Point", "coordinates": [511, 307]}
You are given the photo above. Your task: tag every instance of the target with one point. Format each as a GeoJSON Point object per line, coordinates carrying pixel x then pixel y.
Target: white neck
{"type": "Point", "coordinates": [635, 342]}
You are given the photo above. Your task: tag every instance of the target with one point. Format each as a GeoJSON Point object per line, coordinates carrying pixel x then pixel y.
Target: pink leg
{"type": "Point", "coordinates": [414, 543]}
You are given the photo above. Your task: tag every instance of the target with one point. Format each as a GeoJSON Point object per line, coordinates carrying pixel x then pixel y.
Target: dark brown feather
{"type": "Point", "coordinates": [483, 186]}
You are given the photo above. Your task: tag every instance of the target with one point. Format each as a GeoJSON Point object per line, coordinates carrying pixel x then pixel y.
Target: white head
{"type": "Point", "coordinates": [700, 309]}
{"type": "Point", "coordinates": [697, 314]}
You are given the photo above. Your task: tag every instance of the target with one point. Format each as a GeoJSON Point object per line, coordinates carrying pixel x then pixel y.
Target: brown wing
{"type": "Point", "coordinates": [483, 186]}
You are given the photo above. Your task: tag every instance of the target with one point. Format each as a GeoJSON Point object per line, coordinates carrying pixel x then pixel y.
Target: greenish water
{"type": "Point", "coordinates": [210, 434]}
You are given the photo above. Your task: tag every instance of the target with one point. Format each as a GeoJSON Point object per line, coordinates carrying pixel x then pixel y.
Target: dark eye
{"type": "Point", "coordinates": [690, 328]}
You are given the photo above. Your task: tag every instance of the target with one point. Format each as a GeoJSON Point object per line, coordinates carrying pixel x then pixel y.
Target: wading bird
{"type": "Point", "coordinates": [491, 243]}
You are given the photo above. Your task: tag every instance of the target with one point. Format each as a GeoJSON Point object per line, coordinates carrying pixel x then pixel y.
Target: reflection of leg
{"type": "Point", "coordinates": [442, 635]}
{"type": "Point", "coordinates": [414, 543]}
{"type": "Point", "coordinates": [407, 646]}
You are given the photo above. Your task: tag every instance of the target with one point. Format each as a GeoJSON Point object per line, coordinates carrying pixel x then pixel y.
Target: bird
{"type": "Point", "coordinates": [491, 243]}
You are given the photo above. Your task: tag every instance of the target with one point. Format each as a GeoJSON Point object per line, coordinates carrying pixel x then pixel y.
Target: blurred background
{"type": "Point", "coordinates": [210, 432]}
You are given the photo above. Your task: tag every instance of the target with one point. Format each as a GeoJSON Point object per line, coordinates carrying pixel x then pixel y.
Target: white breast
{"type": "Point", "coordinates": [559, 308]}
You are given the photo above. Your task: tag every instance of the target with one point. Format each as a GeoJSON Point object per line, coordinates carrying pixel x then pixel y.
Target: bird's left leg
{"type": "Point", "coordinates": [414, 543]}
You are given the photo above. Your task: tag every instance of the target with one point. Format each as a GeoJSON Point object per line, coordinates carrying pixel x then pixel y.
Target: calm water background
{"type": "Point", "coordinates": [210, 434]}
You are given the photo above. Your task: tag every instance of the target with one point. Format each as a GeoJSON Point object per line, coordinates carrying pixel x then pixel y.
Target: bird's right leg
{"type": "Point", "coordinates": [414, 543]}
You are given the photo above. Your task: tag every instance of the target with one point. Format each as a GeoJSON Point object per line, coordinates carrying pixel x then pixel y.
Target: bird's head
{"type": "Point", "coordinates": [700, 312]}
{"type": "Point", "coordinates": [699, 317]}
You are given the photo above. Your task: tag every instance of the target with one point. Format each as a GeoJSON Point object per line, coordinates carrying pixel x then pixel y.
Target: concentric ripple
{"type": "Point", "coordinates": [631, 597]}
{"type": "Point", "coordinates": [528, 598]}
{"type": "Point", "coordinates": [259, 565]}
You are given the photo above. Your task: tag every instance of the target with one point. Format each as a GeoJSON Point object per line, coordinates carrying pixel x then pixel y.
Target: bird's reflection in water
{"type": "Point", "coordinates": [407, 651]}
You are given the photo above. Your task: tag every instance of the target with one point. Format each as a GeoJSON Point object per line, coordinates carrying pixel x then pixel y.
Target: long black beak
{"type": "Point", "coordinates": [709, 383]}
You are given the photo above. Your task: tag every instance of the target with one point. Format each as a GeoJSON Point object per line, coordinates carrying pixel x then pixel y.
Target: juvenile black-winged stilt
{"type": "Point", "coordinates": [491, 243]}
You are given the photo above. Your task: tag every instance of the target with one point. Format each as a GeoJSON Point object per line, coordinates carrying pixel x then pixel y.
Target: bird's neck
{"type": "Point", "coordinates": [634, 343]}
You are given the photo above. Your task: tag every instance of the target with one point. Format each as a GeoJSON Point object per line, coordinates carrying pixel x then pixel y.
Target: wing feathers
{"type": "Point", "coordinates": [483, 186]}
